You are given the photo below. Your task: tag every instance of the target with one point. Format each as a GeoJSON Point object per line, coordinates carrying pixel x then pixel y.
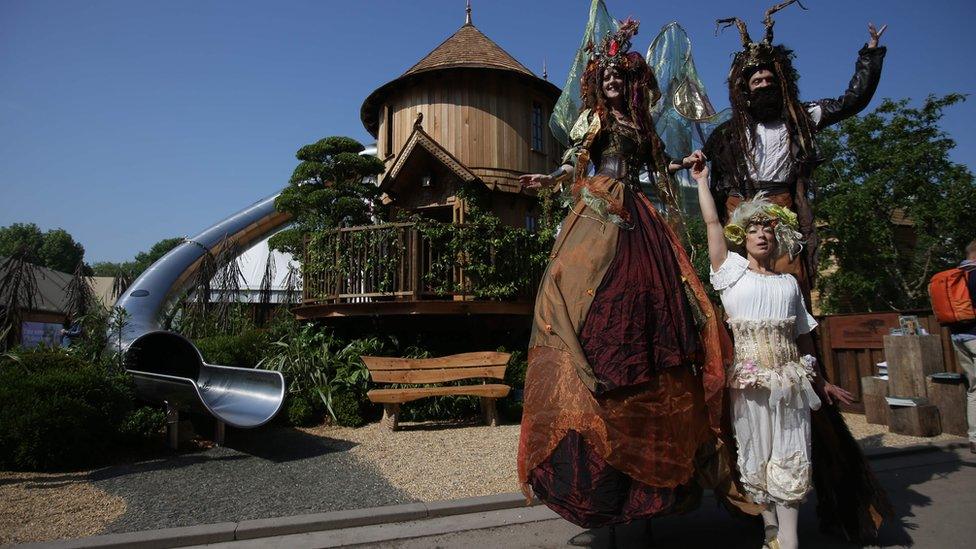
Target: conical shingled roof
{"type": "Point", "coordinates": [468, 47]}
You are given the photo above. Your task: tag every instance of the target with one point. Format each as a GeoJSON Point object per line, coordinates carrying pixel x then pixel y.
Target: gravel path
{"type": "Point", "coordinates": [276, 471]}
{"type": "Point", "coordinates": [260, 473]}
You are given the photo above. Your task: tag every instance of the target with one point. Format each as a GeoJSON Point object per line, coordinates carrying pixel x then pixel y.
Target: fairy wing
{"type": "Point", "coordinates": [684, 116]}
{"type": "Point", "coordinates": [569, 104]}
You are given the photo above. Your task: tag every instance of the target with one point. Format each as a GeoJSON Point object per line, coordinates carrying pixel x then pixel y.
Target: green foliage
{"type": "Point", "coordinates": [300, 411]}
{"type": "Point", "coordinates": [142, 424]}
{"type": "Point", "coordinates": [330, 187]}
{"type": "Point", "coordinates": [244, 349]}
{"type": "Point", "coordinates": [893, 162]}
{"type": "Point", "coordinates": [142, 261]}
{"type": "Point", "coordinates": [348, 409]}
{"type": "Point", "coordinates": [54, 249]}
{"type": "Point", "coordinates": [498, 261]}
{"type": "Point", "coordinates": [58, 411]}
{"type": "Point", "coordinates": [317, 366]}
{"type": "Point", "coordinates": [698, 253]}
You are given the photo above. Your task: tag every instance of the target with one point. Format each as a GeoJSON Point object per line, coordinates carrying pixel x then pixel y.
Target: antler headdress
{"type": "Point", "coordinates": [755, 54]}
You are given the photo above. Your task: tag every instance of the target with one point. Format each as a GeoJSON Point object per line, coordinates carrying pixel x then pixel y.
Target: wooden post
{"type": "Point", "coordinates": [489, 411]}
{"type": "Point", "coordinates": [219, 431]}
{"type": "Point", "coordinates": [172, 425]}
{"type": "Point", "coordinates": [910, 359]}
{"type": "Point", "coordinates": [415, 260]}
{"type": "Point", "coordinates": [391, 416]}
{"type": "Point", "coordinates": [917, 421]}
{"type": "Point", "coordinates": [873, 392]}
{"type": "Point", "coordinates": [949, 396]}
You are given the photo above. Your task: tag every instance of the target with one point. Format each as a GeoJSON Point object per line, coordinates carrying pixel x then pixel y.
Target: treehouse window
{"type": "Point", "coordinates": [537, 142]}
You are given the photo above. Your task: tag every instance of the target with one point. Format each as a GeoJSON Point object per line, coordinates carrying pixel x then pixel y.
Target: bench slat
{"type": "Point", "coordinates": [436, 376]}
{"type": "Point", "coordinates": [464, 360]}
{"type": "Point", "coordinates": [398, 396]}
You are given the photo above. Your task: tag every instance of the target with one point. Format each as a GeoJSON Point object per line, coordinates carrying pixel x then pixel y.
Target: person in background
{"type": "Point", "coordinates": [964, 342]}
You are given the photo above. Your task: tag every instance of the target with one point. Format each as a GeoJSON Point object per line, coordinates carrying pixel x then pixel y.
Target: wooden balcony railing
{"type": "Point", "coordinates": [393, 261]}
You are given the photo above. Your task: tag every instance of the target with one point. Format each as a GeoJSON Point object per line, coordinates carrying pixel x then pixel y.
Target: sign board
{"type": "Point", "coordinates": [33, 334]}
{"type": "Point", "coordinates": [865, 331]}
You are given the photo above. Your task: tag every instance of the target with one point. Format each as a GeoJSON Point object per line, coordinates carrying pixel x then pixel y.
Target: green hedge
{"type": "Point", "coordinates": [58, 411]}
{"type": "Point", "coordinates": [245, 349]}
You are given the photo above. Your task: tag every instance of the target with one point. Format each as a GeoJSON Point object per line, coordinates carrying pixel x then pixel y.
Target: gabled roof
{"type": "Point", "coordinates": [419, 138]}
{"type": "Point", "coordinates": [468, 48]}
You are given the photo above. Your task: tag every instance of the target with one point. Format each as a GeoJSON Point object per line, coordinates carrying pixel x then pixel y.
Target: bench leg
{"type": "Point", "coordinates": [391, 415]}
{"type": "Point", "coordinates": [489, 411]}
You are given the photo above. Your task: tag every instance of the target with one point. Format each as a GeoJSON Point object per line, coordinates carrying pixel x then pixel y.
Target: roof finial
{"type": "Point", "coordinates": [545, 71]}
{"type": "Point", "coordinates": [467, 11]}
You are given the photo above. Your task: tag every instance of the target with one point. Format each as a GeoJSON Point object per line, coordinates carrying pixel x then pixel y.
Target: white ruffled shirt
{"type": "Point", "coordinates": [771, 155]}
{"type": "Point", "coordinates": [748, 295]}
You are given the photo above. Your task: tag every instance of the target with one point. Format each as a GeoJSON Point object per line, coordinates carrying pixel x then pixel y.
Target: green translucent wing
{"type": "Point", "coordinates": [569, 104]}
{"type": "Point", "coordinates": [683, 117]}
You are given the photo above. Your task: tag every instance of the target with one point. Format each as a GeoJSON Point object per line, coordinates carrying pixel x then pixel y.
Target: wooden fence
{"type": "Point", "coordinates": [852, 344]}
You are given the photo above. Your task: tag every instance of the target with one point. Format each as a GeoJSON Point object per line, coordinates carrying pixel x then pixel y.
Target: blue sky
{"type": "Point", "coordinates": [126, 122]}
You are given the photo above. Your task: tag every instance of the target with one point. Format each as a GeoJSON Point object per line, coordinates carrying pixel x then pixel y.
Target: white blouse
{"type": "Point", "coordinates": [748, 295]}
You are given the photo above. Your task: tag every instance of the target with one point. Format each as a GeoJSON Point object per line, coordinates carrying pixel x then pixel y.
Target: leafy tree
{"type": "Point", "coordinates": [330, 187]}
{"type": "Point", "coordinates": [142, 261]}
{"type": "Point", "coordinates": [896, 208]}
{"type": "Point", "coordinates": [54, 249]}
{"type": "Point", "coordinates": [158, 250]}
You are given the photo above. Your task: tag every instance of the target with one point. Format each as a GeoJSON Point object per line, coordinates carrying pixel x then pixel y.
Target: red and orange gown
{"type": "Point", "coordinates": [623, 393]}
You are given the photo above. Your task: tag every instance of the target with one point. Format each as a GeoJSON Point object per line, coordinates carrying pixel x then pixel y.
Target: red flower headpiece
{"type": "Point", "coordinates": [615, 46]}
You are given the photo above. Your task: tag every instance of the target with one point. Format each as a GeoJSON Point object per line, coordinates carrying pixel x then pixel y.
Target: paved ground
{"type": "Point", "coordinates": [934, 494]}
{"type": "Point", "coordinates": [258, 474]}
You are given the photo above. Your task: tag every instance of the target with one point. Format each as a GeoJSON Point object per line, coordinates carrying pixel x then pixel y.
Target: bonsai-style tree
{"type": "Point", "coordinates": [333, 186]}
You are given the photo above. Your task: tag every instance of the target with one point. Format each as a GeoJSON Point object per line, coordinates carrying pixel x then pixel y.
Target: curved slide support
{"type": "Point", "coordinates": [166, 366]}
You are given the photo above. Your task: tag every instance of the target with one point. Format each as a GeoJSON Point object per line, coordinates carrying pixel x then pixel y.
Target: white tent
{"type": "Point", "coordinates": [253, 264]}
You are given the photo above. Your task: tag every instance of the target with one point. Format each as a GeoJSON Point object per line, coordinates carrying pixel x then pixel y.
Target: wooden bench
{"type": "Point", "coordinates": [483, 366]}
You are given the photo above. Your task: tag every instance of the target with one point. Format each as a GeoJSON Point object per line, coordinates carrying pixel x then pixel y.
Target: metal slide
{"type": "Point", "coordinates": [167, 367]}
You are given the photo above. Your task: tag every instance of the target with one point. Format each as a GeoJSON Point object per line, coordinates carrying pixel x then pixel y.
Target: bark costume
{"type": "Point", "coordinates": [777, 158]}
{"type": "Point", "coordinates": [623, 393]}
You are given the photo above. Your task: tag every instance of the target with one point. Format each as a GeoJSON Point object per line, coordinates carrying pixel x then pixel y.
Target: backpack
{"type": "Point", "coordinates": [950, 297]}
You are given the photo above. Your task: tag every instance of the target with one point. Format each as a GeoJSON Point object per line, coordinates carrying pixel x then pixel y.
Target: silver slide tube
{"type": "Point", "coordinates": [169, 368]}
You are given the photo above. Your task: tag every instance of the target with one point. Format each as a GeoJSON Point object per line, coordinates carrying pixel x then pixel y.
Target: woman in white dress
{"type": "Point", "coordinates": [773, 382]}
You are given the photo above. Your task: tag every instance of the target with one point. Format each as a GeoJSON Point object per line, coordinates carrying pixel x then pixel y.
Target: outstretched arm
{"type": "Point", "coordinates": [867, 74]}
{"type": "Point", "coordinates": [538, 180]}
{"type": "Point", "coordinates": [717, 248]}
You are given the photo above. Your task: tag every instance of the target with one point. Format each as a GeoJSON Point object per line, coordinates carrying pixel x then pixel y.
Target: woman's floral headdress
{"type": "Point", "coordinates": [760, 211]}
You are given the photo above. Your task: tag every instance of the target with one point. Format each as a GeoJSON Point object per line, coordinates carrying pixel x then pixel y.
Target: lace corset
{"type": "Point", "coordinates": [766, 355]}
{"type": "Point", "coordinates": [769, 343]}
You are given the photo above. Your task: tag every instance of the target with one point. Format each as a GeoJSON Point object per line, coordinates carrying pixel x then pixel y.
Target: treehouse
{"type": "Point", "coordinates": [460, 125]}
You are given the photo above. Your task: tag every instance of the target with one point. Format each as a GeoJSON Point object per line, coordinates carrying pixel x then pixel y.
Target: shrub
{"type": "Point", "coordinates": [58, 411]}
{"type": "Point", "coordinates": [142, 424]}
{"type": "Point", "coordinates": [300, 412]}
{"type": "Point", "coordinates": [245, 349]}
{"type": "Point", "coordinates": [348, 410]}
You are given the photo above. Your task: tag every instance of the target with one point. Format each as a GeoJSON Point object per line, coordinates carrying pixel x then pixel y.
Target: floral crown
{"type": "Point", "coordinates": [615, 46]}
{"type": "Point", "coordinates": [760, 211]}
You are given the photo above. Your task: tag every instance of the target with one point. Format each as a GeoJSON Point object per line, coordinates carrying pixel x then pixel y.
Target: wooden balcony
{"type": "Point", "coordinates": [400, 269]}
